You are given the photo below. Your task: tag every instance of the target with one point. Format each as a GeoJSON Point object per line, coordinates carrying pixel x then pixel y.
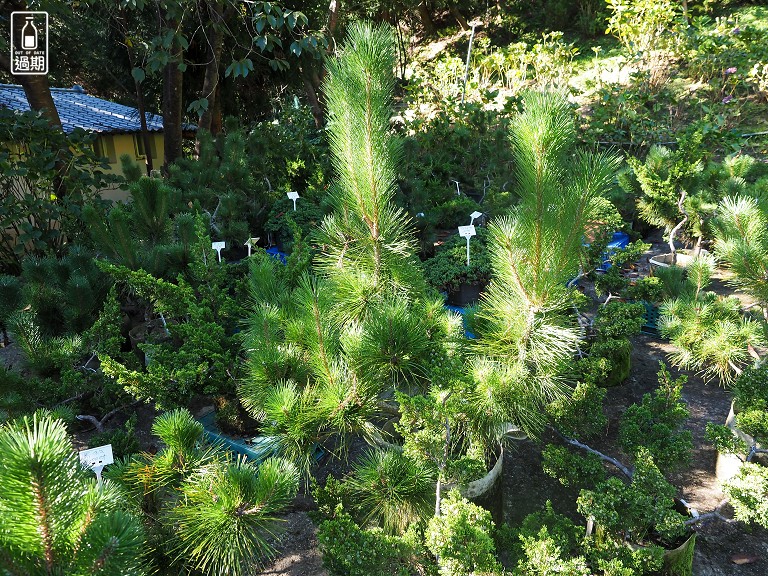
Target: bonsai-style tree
{"type": "Point", "coordinates": [196, 354]}
{"type": "Point", "coordinates": [638, 501]}
{"type": "Point", "coordinates": [679, 193]}
{"type": "Point", "coordinates": [673, 196]}
{"type": "Point", "coordinates": [632, 510]}
{"type": "Point", "coordinates": [656, 425]}
{"type": "Point", "coordinates": [747, 492]}
{"type": "Point", "coordinates": [55, 518]}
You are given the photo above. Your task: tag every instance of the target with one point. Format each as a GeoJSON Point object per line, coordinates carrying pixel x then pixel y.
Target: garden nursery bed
{"type": "Point", "coordinates": [434, 289]}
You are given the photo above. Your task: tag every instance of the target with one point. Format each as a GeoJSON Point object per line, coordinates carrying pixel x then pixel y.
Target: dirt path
{"type": "Point", "coordinates": [719, 544]}
{"type": "Point", "coordinates": [298, 554]}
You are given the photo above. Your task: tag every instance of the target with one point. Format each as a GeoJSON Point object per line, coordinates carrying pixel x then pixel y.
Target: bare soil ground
{"type": "Point", "coordinates": [298, 554]}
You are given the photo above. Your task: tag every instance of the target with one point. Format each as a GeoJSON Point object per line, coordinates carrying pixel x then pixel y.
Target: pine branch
{"type": "Point", "coordinates": [44, 524]}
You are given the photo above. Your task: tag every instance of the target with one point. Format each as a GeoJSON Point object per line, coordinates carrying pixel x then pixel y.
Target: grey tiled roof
{"type": "Point", "coordinates": [79, 110]}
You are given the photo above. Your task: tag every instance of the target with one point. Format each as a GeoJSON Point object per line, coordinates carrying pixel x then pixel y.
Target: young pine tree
{"type": "Point", "coordinates": [529, 336]}
{"type": "Point", "coordinates": [369, 243]}
{"type": "Point", "coordinates": [55, 518]}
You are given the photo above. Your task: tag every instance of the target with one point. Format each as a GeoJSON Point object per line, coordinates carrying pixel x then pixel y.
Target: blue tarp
{"type": "Point", "coordinates": [274, 251]}
{"type": "Point", "coordinates": [619, 241]}
{"type": "Point", "coordinates": [256, 449]}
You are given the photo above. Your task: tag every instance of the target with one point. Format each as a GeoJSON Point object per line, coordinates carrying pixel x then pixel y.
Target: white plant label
{"type": "Point", "coordinates": [474, 216]}
{"type": "Point", "coordinates": [467, 232]}
{"type": "Point", "coordinates": [97, 458]}
{"type": "Point", "coordinates": [251, 243]}
{"type": "Point", "coordinates": [218, 246]}
{"type": "Point", "coordinates": [293, 196]}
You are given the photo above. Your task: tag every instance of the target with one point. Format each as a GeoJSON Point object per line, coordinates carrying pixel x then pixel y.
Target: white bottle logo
{"type": "Point", "coordinates": [29, 35]}
{"type": "Point", "coordinates": [29, 43]}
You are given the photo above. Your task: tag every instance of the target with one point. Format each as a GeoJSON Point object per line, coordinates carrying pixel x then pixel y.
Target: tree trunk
{"type": "Point", "coordinates": [144, 129]}
{"type": "Point", "coordinates": [333, 19]}
{"type": "Point", "coordinates": [39, 96]}
{"type": "Point", "coordinates": [38, 93]}
{"type": "Point", "coordinates": [311, 76]}
{"type": "Point", "coordinates": [459, 18]}
{"type": "Point", "coordinates": [217, 124]}
{"type": "Point", "coordinates": [121, 21]}
{"type": "Point", "coordinates": [142, 118]}
{"type": "Point", "coordinates": [314, 101]}
{"type": "Point", "coordinates": [426, 19]}
{"type": "Point", "coordinates": [402, 49]}
{"type": "Point", "coordinates": [676, 229]}
{"type": "Point", "coordinates": [173, 79]}
{"type": "Point", "coordinates": [211, 79]}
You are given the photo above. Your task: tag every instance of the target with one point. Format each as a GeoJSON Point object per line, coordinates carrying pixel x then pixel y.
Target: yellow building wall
{"type": "Point", "coordinates": [122, 144]}
{"type": "Point", "coordinates": [113, 146]}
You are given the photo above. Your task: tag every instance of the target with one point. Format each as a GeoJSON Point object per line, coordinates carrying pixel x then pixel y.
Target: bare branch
{"type": "Point", "coordinates": [573, 442]}
{"type": "Point", "coordinates": [99, 424]}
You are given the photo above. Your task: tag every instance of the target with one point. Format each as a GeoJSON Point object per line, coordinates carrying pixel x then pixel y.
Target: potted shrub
{"type": "Point", "coordinates": [455, 161]}
{"type": "Point", "coordinates": [642, 515]}
{"type": "Point", "coordinates": [444, 432]}
{"type": "Point", "coordinates": [744, 435]}
{"type": "Point", "coordinates": [636, 507]}
{"type": "Point", "coordinates": [307, 216]}
{"type": "Point", "coordinates": [448, 272]}
{"type": "Point", "coordinates": [674, 196]}
{"type": "Point", "coordinates": [454, 212]}
{"type": "Point", "coordinates": [682, 258]}
{"type": "Point", "coordinates": [614, 324]}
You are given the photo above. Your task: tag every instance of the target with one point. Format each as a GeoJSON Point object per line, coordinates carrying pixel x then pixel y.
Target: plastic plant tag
{"type": "Point", "coordinates": [293, 196]}
{"type": "Point", "coordinates": [251, 243]}
{"type": "Point", "coordinates": [474, 216]}
{"type": "Point", "coordinates": [218, 246]}
{"type": "Point", "coordinates": [467, 232]}
{"type": "Point", "coordinates": [97, 458]}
